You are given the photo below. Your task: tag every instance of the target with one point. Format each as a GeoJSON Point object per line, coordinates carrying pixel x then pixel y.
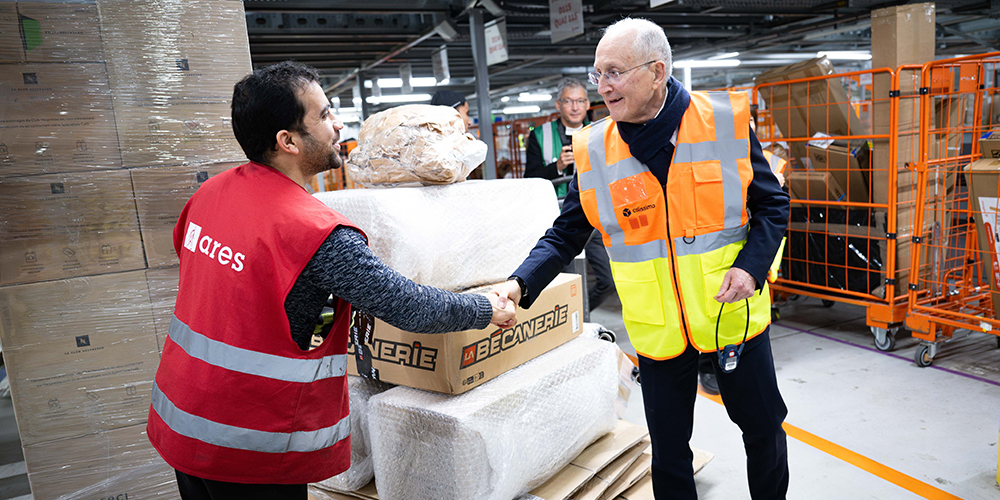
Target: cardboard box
{"type": "Point", "coordinates": [843, 166]}
{"type": "Point", "coordinates": [901, 35]}
{"type": "Point", "coordinates": [458, 361]}
{"type": "Point", "coordinates": [52, 32]}
{"type": "Point", "coordinates": [56, 118]}
{"type": "Point", "coordinates": [989, 145]}
{"type": "Point", "coordinates": [174, 108]}
{"type": "Point", "coordinates": [800, 110]}
{"type": "Point", "coordinates": [81, 354]}
{"type": "Point", "coordinates": [815, 185]}
{"type": "Point", "coordinates": [111, 465]}
{"type": "Point", "coordinates": [66, 225]}
{"type": "Point", "coordinates": [160, 195]}
{"type": "Point", "coordinates": [11, 48]}
{"type": "Point", "coordinates": [984, 201]}
{"type": "Point", "coordinates": [162, 285]}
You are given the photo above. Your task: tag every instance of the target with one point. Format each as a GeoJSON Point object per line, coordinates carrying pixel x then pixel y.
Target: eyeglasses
{"type": "Point", "coordinates": [578, 102]}
{"type": "Point", "coordinates": [612, 76]}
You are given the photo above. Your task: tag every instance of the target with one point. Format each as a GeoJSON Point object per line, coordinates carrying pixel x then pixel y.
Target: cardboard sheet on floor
{"type": "Point", "coordinates": [595, 457]}
{"type": "Point", "coordinates": [633, 474]}
{"type": "Point", "coordinates": [641, 490]}
{"type": "Point", "coordinates": [599, 484]}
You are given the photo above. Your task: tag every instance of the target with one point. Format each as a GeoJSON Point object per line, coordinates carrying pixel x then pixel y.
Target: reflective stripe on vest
{"type": "Point", "coordinates": [668, 285]}
{"type": "Point", "coordinates": [551, 142]}
{"type": "Point", "coordinates": [249, 362]}
{"type": "Point", "coordinates": [240, 438]}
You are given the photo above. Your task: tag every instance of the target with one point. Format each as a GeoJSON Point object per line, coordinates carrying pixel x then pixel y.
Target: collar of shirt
{"type": "Point", "coordinates": [649, 141]}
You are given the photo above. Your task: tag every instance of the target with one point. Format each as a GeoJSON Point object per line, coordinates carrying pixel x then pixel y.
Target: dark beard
{"type": "Point", "coordinates": [317, 157]}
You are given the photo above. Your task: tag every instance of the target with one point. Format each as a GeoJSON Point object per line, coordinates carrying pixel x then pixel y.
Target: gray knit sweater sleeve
{"type": "Point", "coordinates": [345, 267]}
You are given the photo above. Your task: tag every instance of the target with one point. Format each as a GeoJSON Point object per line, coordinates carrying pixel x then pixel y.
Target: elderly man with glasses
{"type": "Point", "coordinates": [692, 217]}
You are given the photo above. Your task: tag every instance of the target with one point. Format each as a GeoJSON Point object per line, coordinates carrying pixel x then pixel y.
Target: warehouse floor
{"type": "Point", "coordinates": [861, 423]}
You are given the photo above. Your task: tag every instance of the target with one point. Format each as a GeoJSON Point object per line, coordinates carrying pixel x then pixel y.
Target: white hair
{"type": "Point", "coordinates": [650, 40]}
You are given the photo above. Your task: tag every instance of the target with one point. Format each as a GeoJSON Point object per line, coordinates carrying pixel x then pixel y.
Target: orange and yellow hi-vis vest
{"type": "Point", "coordinates": [670, 251]}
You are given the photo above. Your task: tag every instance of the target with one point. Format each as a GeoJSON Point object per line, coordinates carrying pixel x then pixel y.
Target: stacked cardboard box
{"type": "Point", "coordinates": [98, 85]}
{"type": "Point", "coordinates": [901, 35]}
{"type": "Point", "coordinates": [803, 109]}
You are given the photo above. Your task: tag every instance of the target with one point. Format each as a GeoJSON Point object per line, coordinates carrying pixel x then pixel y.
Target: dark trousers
{"type": "Point", "coordinates": [196, 488]}
{"type": "Point", "coordinates": [600, 264]}
{"type": "Point", "coordinates": [752, 401]}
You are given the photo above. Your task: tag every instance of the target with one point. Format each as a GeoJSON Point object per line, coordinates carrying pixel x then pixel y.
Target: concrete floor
{"type": "Point", "coordinates": [862, 424]}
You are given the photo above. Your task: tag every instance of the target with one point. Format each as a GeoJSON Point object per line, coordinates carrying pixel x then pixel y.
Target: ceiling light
{"type": "Point", "coordinates": [445, 81]}
{"type": "Point", "coordinates": [505, 98]}
{"type": "Point", "coordinates": [726, 55]}
{"type": "Point", "coordinates": [520, 110]}
{"type": "Point", "coordinates": [526, 97]}
{"type": "Point", "coordinates": [846, 55]}
{"type": "Point", "coordinates": [722, 63]}
{"type": "Point", "coordinates": [398, 98]}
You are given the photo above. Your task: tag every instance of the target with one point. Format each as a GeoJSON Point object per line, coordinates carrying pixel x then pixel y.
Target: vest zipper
{"type": "Point", "coordinates": [673, 272]}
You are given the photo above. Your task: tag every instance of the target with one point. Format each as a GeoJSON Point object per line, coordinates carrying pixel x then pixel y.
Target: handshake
{"type": "Point", "coordinates": [504, 298]}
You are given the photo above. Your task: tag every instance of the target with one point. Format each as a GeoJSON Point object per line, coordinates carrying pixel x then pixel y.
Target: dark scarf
{"type": "Point", "coordinates": [650, 142]}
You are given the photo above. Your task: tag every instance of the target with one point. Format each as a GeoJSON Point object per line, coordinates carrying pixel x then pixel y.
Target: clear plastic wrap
{"type": "Point", "coordinates": [81, 354]}
{"type": "Point", "coordinates": [115, 464]}
{"type": "Point", "coordinates": [97, 85]}
{"type": "Point", "coordinates": [361, 472]}
{"type": "Point", "coordinates": [414, 143]}
{"type": "Point", "coordinates": [425, 232]}
{"type": "Point", "coordinates": [501, 439]}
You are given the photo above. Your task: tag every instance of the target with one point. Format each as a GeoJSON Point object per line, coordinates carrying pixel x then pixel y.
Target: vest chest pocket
{"type": "Point", "coordinates": [639, 288]}
{"type": "Point", "coordinates": [709, 197]}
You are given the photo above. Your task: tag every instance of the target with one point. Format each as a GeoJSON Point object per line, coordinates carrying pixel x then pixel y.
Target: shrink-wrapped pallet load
{"type": "Point", "coordinates": [456, 236]}
{"type": "Point", "coordinates": [414, 144]}
{"type": "Point", "coordinates": [361, 472]}
{"type": "Point", "coordinates": [501, 439]}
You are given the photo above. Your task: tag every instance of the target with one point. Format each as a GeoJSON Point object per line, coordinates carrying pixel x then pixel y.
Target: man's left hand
{"type": "Point", "coordinates": [736, 285]}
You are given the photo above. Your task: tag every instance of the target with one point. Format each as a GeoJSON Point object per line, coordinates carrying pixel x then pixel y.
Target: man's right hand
{"type": "Point", "coordinates": [565, 158]}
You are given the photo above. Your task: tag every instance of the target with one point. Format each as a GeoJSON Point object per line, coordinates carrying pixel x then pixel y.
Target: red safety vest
{"type": "Point", "coordinates": [235, 399]}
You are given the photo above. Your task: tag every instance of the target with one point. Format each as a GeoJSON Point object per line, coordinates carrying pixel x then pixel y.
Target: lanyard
{"type": "Point", "coordinates": [729, 356]}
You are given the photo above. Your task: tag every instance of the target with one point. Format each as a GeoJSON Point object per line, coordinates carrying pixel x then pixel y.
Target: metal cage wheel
{"type": "Point", "coordinates": [924, 357]}
{"type": "Point", "coordinates": [885, 340]}
{"type": "Point", "coordinates": [635, 375]}
{"type": "Point", "coordinates": [828, 303]}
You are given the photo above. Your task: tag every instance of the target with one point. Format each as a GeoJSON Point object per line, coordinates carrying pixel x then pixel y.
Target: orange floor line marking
{"type": "Point", "coordinates": [862, 462]}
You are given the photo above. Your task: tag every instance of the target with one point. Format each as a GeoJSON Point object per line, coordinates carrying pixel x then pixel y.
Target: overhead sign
{"type": "Point", "coordinates": [565, 19]}
{"type": "Point", "coordinates": [439, 60]}
{"type": "Point", "coordinates": [496, 41]}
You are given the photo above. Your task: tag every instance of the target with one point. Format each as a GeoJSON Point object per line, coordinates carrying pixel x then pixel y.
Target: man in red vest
{"type": "Point", "coordinates": [242, 408]}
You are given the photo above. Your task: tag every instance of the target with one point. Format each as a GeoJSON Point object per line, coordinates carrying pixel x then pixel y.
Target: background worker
{"type": "Point", "coordinates": [550, 156]}
{"type": "Point", "coordinates": [455, 100]}
{"type": "Point", "coordinates": [692, 218]}
{"type": "Point", "coordinates": [241, 407]}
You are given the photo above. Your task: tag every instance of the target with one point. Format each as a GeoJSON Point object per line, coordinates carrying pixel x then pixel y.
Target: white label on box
{"type": "Point", "coordinates": [576, 321]}
{"type": "Point", "coordinates": [991, 219]}
{"type": "Point", "coordinates": [819, 140]}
